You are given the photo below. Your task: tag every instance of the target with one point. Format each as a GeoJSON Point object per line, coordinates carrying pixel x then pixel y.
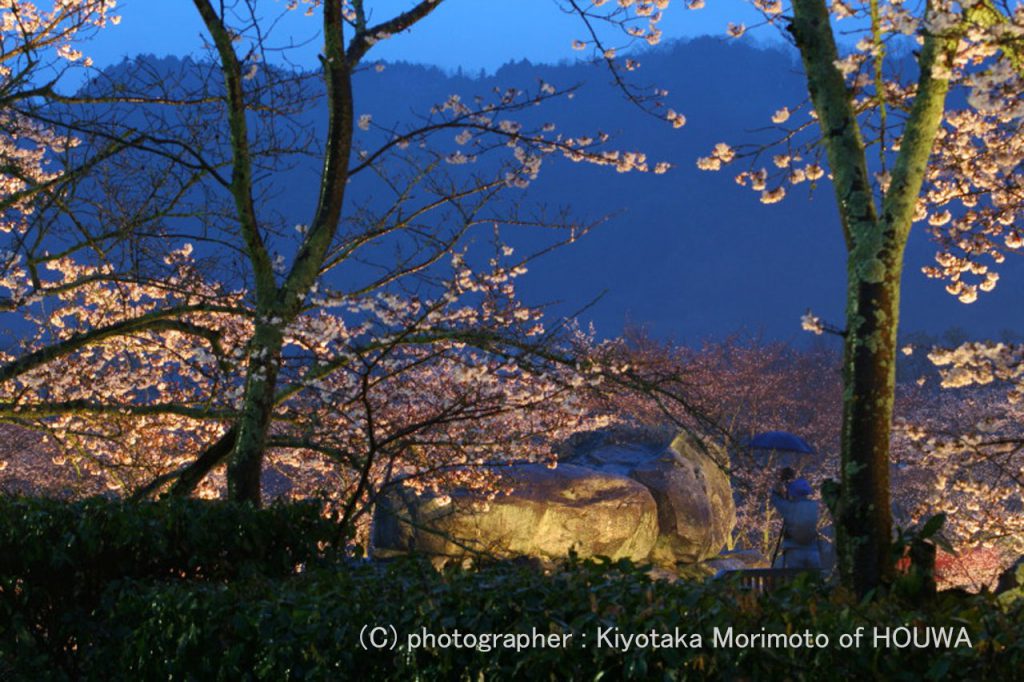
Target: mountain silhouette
{"type": "Point", "coordinates": [688, 254]}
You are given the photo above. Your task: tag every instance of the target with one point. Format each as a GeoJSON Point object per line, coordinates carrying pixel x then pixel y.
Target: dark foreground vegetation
{"type": "Point", "coordinates": [199, 590]}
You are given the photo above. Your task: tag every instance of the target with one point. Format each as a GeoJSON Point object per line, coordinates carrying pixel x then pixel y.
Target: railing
{"type": "Point", "coordinates": [764, 579]}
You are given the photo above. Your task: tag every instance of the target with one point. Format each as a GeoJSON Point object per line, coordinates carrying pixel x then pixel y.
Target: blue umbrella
{"type": "Point", "coordinates": [782, 441]}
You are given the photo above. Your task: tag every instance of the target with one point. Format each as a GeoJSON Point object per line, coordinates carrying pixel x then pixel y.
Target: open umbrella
{"type": "Point", "coordinates": [781, 441]}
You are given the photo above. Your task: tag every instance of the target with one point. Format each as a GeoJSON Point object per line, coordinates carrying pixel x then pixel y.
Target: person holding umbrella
{"type": "Point", "coordinates": [799, 513]}
{"type": "Point", "coordinates": [791, 497]}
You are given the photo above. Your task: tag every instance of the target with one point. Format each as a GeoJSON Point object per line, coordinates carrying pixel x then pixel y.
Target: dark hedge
{"type": "Point", "coordinates": [58, 559]}
{"type": "Point", "coordinates": [270, 622]}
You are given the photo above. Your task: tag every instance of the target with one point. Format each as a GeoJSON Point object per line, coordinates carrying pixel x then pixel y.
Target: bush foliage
{"type": "Point", "coordinates": [271, 622]}
{"type": "Point", "coordinates": [59, 559]}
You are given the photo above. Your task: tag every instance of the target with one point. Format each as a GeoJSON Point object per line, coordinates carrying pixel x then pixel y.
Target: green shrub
{"type": "Point", "coordinates": [208, 591]}
{"type": "Point", "coordinates": [57, 559]}
{"type": "Point", "coordinates": [308, 627]}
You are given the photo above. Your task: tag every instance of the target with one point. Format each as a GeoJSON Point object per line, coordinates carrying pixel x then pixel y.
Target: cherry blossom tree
{"type": "Point", "coordinates": [898, 151]}
{"type": "Point", "coordinates": [962, 448]}
{"type": "Point", "coordinates": [39, 46]}
{"type": "Point", "coordinates": [177, 323]}
{"type": "Point", "coordinates": [281, 290]}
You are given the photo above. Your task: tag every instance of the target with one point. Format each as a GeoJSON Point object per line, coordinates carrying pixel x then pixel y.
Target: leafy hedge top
{"type": "Point", "coordinates": [199, 590]}
{"type": "Point", "coordinates": [308, 627]}
{"type": "Point", "coordinates": [74, 550]}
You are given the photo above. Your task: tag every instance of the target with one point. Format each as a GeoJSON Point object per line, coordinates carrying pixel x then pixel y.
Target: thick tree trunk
{"type": "Point", "coordinates": [864, 525]}
{"type": "Point", "coordinates": [253, 426]}
{"type": "Point", "coordinates": [875, 242]}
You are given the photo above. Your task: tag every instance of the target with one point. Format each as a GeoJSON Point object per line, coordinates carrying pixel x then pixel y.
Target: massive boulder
{"type": "Point", "coordinates": [611, 495]}
{"type": "Point", "coordinates": [696, 514]}
{"type": "Point", "coordinates": [545, 514]}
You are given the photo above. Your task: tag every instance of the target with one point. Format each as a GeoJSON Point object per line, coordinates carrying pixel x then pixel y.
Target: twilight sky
{"type": "Point", "coordinates": [473, 34]}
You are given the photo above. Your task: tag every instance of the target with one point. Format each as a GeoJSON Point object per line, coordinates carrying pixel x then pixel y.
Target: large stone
{"type": "Point", "coordinates": [696, 513]}
{"type": "Point", "coordinates": [545, 514]}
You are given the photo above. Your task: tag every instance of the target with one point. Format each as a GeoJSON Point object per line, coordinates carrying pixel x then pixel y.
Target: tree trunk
{"type": "Point", "coordinates": [875, 243]}
{"type": "Point", "coordinates": [864, 524]}
{"type": "Point", "coordinates": [254, 424]}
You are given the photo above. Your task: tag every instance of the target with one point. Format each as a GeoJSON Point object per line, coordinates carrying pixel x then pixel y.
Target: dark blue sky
{"type": "Point", "coordinates": [473, 34]}
{"type": "Point", "coordinates": [694, 256]}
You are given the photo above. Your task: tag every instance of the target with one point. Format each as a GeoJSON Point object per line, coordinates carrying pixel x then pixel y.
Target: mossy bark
{"type": "Point", "coordinates": [863, 516]}
{"type": "Point", "coordinates": [875, 242]}
{"type": "Point", "coordinates": [246, 463]}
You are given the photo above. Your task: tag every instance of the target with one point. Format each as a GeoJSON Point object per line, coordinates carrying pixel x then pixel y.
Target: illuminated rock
{"type": "Point", "coordinates": [546, 513]}
{"type": "Point", "coordinates": [696, 513]}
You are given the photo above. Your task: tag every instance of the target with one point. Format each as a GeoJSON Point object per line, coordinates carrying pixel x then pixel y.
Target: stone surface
{"type": "Point", "coordinates": [696, 514]}
{"type": "Point", "coordinates": [621, 495]}
{"type": "Point", "coordinates": [746, 558]}
{"type": "Point", "coordinates": [547, 513]}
